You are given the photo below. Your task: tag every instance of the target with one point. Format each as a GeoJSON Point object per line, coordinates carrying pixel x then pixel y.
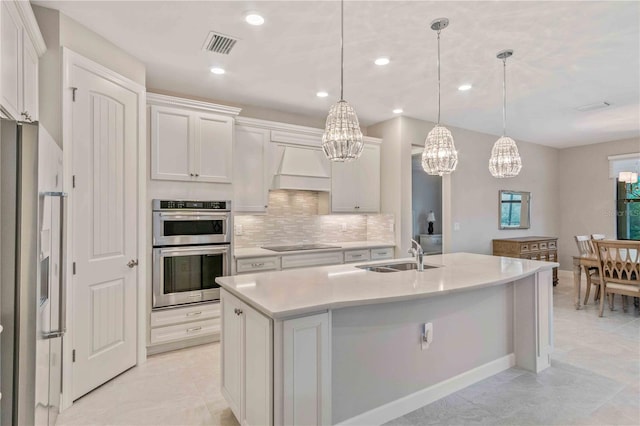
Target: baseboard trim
{"type": "Point", "coordinates": [409, 403]}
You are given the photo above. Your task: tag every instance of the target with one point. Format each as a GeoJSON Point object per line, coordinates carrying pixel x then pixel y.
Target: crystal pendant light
{"type": "Point", "coordinates": [505, 160]}
{"type": "Point", "coordinates": [439, 156]}
{"type": "Point", "coordinates": [342, 138]}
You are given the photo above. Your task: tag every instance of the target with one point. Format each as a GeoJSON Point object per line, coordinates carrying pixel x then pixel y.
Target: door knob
{"type": "Point", "coordinates": [132, 263]}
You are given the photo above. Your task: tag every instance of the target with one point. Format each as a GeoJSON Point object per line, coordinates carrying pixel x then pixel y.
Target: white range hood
{"type": "Point", "coordinates": [302, 168]}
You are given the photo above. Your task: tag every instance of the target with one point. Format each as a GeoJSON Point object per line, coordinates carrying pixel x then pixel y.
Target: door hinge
{"type": "Point", "coordinates": [73, 93]}
{"type": "Point", "coordinates": [73, 181]}
{"type": "Point", "coordinates": [73, 355]}
{"type": "Point", "coordinates": [74, 268]}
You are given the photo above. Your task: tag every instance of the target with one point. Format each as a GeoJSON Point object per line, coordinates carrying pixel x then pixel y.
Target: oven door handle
{"type": "Point", "coordinates": [178, 215]}
{"type": "Point", "coordinates": [195, 250]}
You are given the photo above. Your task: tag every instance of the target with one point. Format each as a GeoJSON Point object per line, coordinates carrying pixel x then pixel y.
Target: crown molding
{"type": "Point", "coordinates": [158, 99]}
{"type": "Point", "coordinates": [31, 26]}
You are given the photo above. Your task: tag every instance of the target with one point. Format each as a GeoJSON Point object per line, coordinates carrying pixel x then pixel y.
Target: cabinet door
{"type": "Point", "coordinates": [29, 78]}
{"type": "Point", "coordinates": [257, 404]}
{"type": "Point", "coordinates": [355, 186]}
{"type": "Point", "coordinates": [10, 50]}
{"type": "Point", "coordinates": [213, 148]}
{"type": "Point", "coordinates": [171, 132]}
{"type": "Point", "coordinates": [367, 180]}
{"type": "Point", "coordinates": [250, 162]}
{"type": "Point", "coordinates": [232, 352]}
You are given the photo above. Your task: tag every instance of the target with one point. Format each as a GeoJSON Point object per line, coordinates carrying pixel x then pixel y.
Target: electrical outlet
{"type": "Point", "coordinates": [427, 335]}
{"type": "Point", "coordinates": [456, 226]}
{"type": "Point", "coordinates": [344, 227]}
{"type": "Point", "coordinates": [238, 229]}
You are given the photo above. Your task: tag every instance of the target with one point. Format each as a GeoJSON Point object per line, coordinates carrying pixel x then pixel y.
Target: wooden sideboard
{"type": "Point", "coordinates": [534, 248]}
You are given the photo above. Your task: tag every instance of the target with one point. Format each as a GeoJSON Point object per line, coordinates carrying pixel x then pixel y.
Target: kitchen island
{"type": "Point", "coordinates": [345, 345]}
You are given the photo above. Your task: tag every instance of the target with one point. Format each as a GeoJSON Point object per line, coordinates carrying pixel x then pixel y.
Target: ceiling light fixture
{"type": "Point", "coordinates": [439, 156]}
{"type": "Point", "coordinates": [217, 70]}
{"type": "Point", "coordinates": [253, 18]}
{"type": "Point", "coordinates": [342, 137]}
{"type": "Point", "coordinates": [322, 94]}
{"type": "Point", "coordinates": [398, 111]}
{"type": "Point", "coordinates": [382, 61]}
{"type": "Point", "coordinates": [464, 87]}
{"type": "Point", "coordinates": [505, 159]}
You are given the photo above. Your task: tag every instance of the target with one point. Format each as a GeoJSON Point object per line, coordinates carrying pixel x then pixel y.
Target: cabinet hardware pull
{"type": "Point", "coordinates": [190, 330]}
{"type": "Point", "coordinates": [197, 175]}
{"type": "Point", "coordinates": [193, 314]}
{"type": "Point", "coordinates": [237, 311]}
{"type": "Point", "coordinates": [356, 255]}
{"type": "Point", "coordinates": [255, 265]}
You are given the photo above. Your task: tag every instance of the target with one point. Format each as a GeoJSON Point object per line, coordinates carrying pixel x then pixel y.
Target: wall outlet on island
{"type": "Point", "coordinates": [427, 335]}
{"type": "Point", "coordinates": [238, 229]}
{"type": "Point", "coordinates": [344, 227]}
{"type": "Point", "coordinates": [456, 226]}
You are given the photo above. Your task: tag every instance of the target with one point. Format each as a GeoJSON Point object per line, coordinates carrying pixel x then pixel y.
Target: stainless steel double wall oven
{"type": "Point", "coordinates": [191, 247]}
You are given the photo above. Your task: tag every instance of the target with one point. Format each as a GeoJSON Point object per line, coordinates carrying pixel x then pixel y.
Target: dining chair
{"type": "Point", "coordinates": [597, 237]}
{"type": "Point", "coordinates": [585, 248]}
{"type": "Point", "coordinates": [619, 267]}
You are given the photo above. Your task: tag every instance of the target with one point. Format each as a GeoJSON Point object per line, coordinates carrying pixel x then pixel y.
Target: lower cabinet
{"type": "Point", "coordinates": [247, 361]}
{"type": "Point", "coordinates": [184, 323]}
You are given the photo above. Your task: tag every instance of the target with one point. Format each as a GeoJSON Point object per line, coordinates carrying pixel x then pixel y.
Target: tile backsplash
{"type": "Point", "coordinates": [292, 218]}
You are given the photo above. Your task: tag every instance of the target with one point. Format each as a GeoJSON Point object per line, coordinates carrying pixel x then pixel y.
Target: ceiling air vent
{"type": "Point", "coordinates": [591, 107]}
{"type": "Point", "coordinates": [219, 43]}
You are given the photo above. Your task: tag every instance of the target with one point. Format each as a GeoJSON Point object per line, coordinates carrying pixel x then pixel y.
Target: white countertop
{"type": "Point", "coordinates": [281, 294]}
{"type": "Point", "coordinates": [240, 253]}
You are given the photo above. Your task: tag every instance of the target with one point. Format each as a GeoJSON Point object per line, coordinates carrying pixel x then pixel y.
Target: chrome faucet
{"type": "Point", "coordinates": [418, 253]}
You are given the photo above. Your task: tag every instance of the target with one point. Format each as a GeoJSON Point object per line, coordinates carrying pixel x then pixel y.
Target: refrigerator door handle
{"type": "Point", "coordinates": [62, 285]}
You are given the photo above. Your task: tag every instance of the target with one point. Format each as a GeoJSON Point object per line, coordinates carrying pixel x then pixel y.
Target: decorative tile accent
{"type": "Point", "coordinates": [292, 218]}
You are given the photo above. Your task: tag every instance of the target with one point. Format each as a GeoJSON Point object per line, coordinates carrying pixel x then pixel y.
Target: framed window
{"type": "Point", "coordinates": [628, 211]}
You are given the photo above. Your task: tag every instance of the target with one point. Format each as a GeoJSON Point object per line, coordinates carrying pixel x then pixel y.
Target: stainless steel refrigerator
{"type": "Point", "coordinates": [32, 286]}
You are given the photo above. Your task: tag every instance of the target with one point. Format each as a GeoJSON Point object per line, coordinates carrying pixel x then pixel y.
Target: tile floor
{"type": "Point", "coordinates": [594, 380]}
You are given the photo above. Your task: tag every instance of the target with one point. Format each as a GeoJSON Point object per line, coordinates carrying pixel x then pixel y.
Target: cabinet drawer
{"type": "Point", "coordinates": [543, 256]}
{"type": "Point", "coordinates": [186, 314]}
{"type": "Point", "coordinates": [312, 259]}
{"type": "Point", "coordinates": [542, 245]}
{"type": "Point", "coordinates": [533, 247]}
{"type": "Point", "coordinates": [356, 256]}
{"type": "Point", "coordinates": [524, 248]}
{"type": "Point", "coordinates": [382, 253]}
{"type": "Point", "coordinates": [258, 264]}
{"type": "Point", "coordinates": [552, 245]}
{"type": "Point", "coordinates": [185, 331]}
{"type": "Point", "coordinates": [553, 256]}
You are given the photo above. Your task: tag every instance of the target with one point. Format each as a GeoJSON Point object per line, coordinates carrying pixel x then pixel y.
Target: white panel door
{"type": "Point", "coordinates": [257, 404]}
{"type": "Point", "coordinates": [343, 189]}
{"type": "Point", "coordinates": [250, 165]}
{"type": "Point", "coordinates": [29, 78]}
{"type": "Point", "coordinates": [171, 136]}
{"type": "Point", "coordinates": [104, 228]}
{"type": "Point", "coordinates": [10, 49]}
{"type": "Point", "coordinates": [232, 352]}
{"type": "Point", "coordinates": [213, 148]}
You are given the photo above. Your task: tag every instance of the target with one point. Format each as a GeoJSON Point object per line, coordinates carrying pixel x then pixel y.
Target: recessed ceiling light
{"type": "Point", "coordinates": [382, 61]}
{"type": "Point", "coordinates": [217, 70]}
{"type": "Point", "coordinates": [464, 87]}
{"type": "Point", "coordinates": [252, 18]}
{"type": "Point", "coordinates": [322, 94]}
{"type": "Point", "coordinates": [398, 111]}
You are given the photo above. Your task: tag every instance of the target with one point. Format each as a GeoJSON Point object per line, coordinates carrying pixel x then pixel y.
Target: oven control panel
{"type": "Point", "coordinates": [191, 205]}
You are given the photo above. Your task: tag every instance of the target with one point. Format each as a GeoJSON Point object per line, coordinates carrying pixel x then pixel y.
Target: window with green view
{"type": "Point", "coordinates": [628, 211]}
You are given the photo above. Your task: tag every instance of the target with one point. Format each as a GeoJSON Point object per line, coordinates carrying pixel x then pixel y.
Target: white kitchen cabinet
{"type": "Point", "coordinates": [382, 253]}
{"type": "Point", "coordinates": [312, 259]}
{"type": "Point", "coordinates": [20, 46]}
{"type": "Point", "coordinates": [184, 323]}
{"type": "Point", "coordinates": [355, 185]}
{"type": "Point", "coordinates": [356, 256]}
{"type": "Point", "coordinates": [257, 264]}
{"type": "Point", "coordinates": [250, 169]}
{"type": "Point", "coordinates": [247, 361]}
{"type": "Point", "coordinates": [190, 141]}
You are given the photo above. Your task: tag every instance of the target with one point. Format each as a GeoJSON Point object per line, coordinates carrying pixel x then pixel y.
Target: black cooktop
{"type": "Point", "coordinates": [295, 247]}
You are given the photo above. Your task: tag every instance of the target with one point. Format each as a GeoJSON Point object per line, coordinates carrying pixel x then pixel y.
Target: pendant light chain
{"type": "Point", "coordinates": [438, 77]}
{"type": "Point", "coordinates": [504, 96]}
{"type": "Point", "coordinates": [341, 50]}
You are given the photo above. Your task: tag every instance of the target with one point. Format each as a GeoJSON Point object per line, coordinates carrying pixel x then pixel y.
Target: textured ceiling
{"type": "Point", "coordinates": [567, 54]}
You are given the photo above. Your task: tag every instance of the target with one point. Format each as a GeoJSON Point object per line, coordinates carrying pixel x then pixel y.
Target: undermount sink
{"type": "Point", "coordinates": [394, 267]}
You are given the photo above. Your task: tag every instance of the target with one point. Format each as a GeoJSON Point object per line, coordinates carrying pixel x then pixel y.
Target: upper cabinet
{"type": "Point", "coordinates": [355, 186]}
{"type": "Point", "coordinates": [20, 46]}
{"type": "Point", "coordinates": [190, 140]}
{"type": "Point", "coordinates": [250, 169]}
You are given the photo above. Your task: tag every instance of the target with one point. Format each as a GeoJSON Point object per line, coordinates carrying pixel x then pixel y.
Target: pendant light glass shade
{"type": "Point", "coordinates": [505, 161]}
{"type": "Point", "coordinates": [342, 138]}
{"type": "Point", "coordinates": [439, 156]}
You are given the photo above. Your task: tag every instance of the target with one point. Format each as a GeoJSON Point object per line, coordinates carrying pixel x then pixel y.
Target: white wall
{"type": "Point", "coordinates": [60, 31]}
{"type": "Point", "coordinates": [470, 194]}
{"type": "Point", "coordinates": [587, 201]}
